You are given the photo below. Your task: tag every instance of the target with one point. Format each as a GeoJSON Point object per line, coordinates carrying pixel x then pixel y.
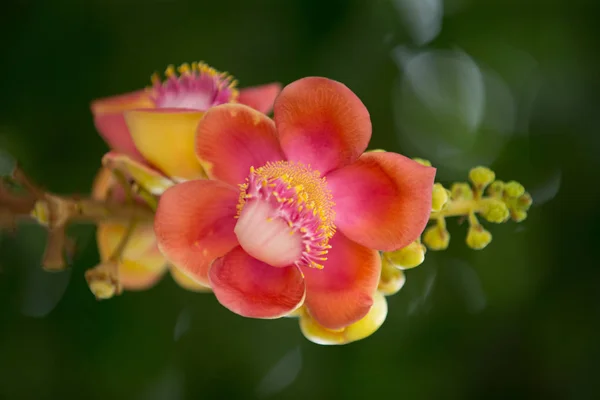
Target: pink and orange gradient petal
{"type": "Point", "coordinates": [231, 138]}
{"type": "Point", "coordinates": [261, 98]}
{"type": "Point", "coordinates": [340, 294]}
{"type": "Point", "coordinates": [321, 123]}
{"type": "Point", "coordinates": [356, 331]}
{"type": "Point", "coordinates": [109, 121]}
{"type": "Point", "coordinates": [146, 177]}
{"type": "Point", "coordinates": [165, 137]}
{"type": "Point", "coordinates": [251, 288]}
{"type": "Point", "coordinates": [194, 225]}
{"type": "Point", "coordinates": [383, 201]}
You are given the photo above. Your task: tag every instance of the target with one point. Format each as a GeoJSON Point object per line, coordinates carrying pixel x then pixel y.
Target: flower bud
{"type": "Point", "coordinates": [478, 237]}
{"type": "Point", "coordinates": [461, 191]}
{"type": "Point", "coordinates": [524, 202]}
{"type": "Point", "coordinates": [421, 161]}
{"type": "Point", "coordinates": [436, 237]}
{"type": "Point", "coordinates": [439, 197]}
{"type": "Point", "coordinates": [514, 189]}
{"type": "Point", "coordinates": [518, 215]}
{"type": "Point", "coordinates": [392, 279]}
{"type": "Point", "coordinates": [103, 280]}
{"type": "Point", "coordinates": [496, 189]}
{"type": "Point", "coordinates": [494, 210]}
{"type": "Point", "coordinates": [481, 176]}
{"type": "Point", "coordinates": [408, 257]}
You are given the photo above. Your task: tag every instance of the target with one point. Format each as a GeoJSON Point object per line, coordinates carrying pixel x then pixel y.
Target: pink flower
{"type": "Point", "coordinates": [183, 96]}
{"type": "Point", "coordinates": [293, 213]}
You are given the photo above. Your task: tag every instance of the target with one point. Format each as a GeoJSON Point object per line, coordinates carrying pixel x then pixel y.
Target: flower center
{"type": "Point", "coordinates": [286, 215]}
{"type": "Point", "coordinates": [195, 86]}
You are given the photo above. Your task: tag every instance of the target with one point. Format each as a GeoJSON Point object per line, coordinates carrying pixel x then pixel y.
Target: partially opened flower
{"type": "Point", "coordinates": [294, 213]}
{"type": "Point", "coordinates": [141, 265]}
{"type": "Point", "coordinates": [162, 131]}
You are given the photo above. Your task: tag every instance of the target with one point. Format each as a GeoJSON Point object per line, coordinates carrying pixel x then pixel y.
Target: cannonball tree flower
{"type": "Point", "coordinates": [154, 148]}
{"type": "Point", "coordinates": [293, 213]}
{"type": "Point", "coordinates": [190, 90]}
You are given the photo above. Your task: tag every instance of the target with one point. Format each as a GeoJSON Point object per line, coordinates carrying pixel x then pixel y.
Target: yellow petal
{"type": "Point", "coordinates": [146, 177]}
{"type": "Point", "coordinates": [186, 282]}
{"type": "Point", "coordinates": [357, 331]}
{"type": "Point", "coordinates": [141, 274]}
{"type": "Point", "coordinates": [140, 242]}
{"type": "Point", "coordinates": [165, 137]}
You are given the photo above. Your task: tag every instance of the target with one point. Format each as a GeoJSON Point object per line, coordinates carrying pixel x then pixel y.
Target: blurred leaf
{"type": "Point", "coordinates": [7, 164]}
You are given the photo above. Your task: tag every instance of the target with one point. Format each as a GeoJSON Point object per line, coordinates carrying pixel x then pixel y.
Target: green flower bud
{"type": "Point", "coordinates": [496, 189]}
{"type": "Point", "coordinates": [518, 215]}
{"type": "Point", "coordinates": [408, 257]}
{"type": "Point", "coordinates": [494, 210]}
{"type": "Point", "coordinates": [478, 237]}
{"type": "Point", "coordinates": [524, 202]}
{"type": "Point", "coordinates": [514, 189]}
{"type": "Point", "coordinates": [439, 197]}
{"type": "Point", "coordinates": [481, 176]}
{"type": "Point", "coordinates": [462, 191]}
{"type": "Point", "coordinates": [421, 161]}
{"type": "Point", "coordinates": [436, 237]}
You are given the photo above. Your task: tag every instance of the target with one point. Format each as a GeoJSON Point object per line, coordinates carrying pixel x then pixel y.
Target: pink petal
{"type": "Point", "coordinates": [231, 138]}
{"type": "Point", "coordinates": [383, 200]}
{"type": "Point", "coordinates": [260, 98]}
{"type": "Point", "coordinates": [342, 292]}
{"type": "Point", "coordinates": [251, 288]}
{"type": "Point", "coordinates": [194, 225]}
{"type": "Point", "coordinates": [110, 123]}
{"type": "Point", "coordinates": [322, 123]}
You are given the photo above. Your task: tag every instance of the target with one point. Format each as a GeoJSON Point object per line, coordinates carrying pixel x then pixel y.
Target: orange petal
{"type": "Point", "coordinates": [165, 137]}
{"type": "Point", "coordinates": [340, 294]}
{"type": "Point", "coordinates": [261, 97]}
{"type": "Point", "coordinates": [253, 289]}
{"type": "Point", "coordinates": [186, 282]}
{"type": "Point", "coordinates": [322, 123]}
{"type": "Point", "coordinates": [148, 178]}
{"type": "Point", "coordinates": [356, 331]}
{"type": "Point", "coordinates": [383, 201]}
{"type": "Point", "coordinates": [232, 138]}
{"type": "Point", "coordinates": [109, 121]}
{"type": "Point", "coordinates": [194, 225]}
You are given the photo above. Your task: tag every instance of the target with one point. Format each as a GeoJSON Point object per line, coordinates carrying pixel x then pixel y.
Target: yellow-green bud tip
{"type": "Point", "coordinates": [439, 197]}
{"type": "Point", "coordinates": [462, 191]}
{"type": "Point", "coordinates": [436, 238]}
{"type": "Point", "coordinates": [518, 215]}
{"type": "Point", "coordinates": [410, 256]}
{"type": "Point", "coordinates": [421, 161]}
{"type": "Point", "coordinates": [514, 189]}
{"type": "Point", "coordinates": [481, 176]}
{"type": "Point", "coordinates": [102, 281]}
{"type": "Point", "coordinates": [478, 238]}
{"type": "Point", "coordinates": [494, 210]}
{"type": "Point", "coordinates": [496, 189]}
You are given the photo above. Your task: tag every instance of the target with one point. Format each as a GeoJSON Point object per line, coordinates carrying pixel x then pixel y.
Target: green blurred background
{"type": "Point", "coordinates": [505, 83]}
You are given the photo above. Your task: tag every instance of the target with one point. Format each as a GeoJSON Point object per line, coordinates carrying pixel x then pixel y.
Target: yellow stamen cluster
{"type": "Point", "coordinates": [223, 79]}
{"type": "Point", "coordinates": [310, 191]}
